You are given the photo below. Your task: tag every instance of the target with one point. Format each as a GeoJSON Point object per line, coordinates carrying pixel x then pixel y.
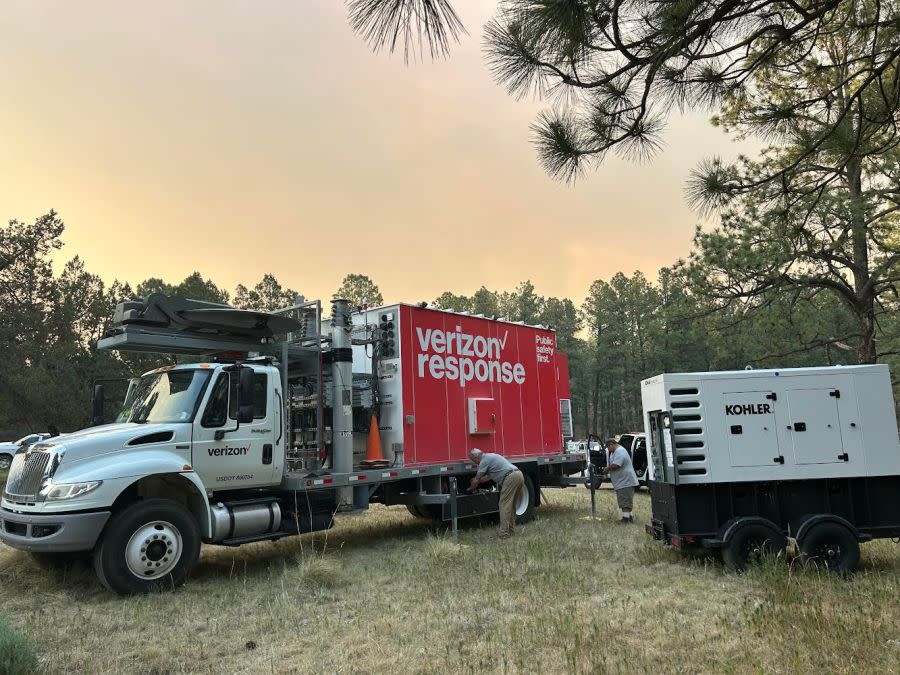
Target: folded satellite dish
{"type": "Point", "coordinates": [196, 316]}
{"type": "Point", "coordinates": [240, 320]}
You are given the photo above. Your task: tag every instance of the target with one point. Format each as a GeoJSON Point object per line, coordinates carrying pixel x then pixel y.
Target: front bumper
{"type": "Point", "coordinates": [60, 532]}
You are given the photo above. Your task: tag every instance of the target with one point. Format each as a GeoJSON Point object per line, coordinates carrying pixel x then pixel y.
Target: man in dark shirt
{"type": "Point", "coordinates": [494, 467]}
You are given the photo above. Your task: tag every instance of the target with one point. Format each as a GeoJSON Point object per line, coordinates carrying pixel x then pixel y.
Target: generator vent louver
{"type": "Point", "coordinates": [685, 404]}
{"type": "Point", "coordinates": [688, 433]}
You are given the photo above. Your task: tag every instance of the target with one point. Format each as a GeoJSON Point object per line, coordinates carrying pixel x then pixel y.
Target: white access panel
{"type": "Point", "coordinates": [750, 427]}
{"type": "Point", "coordinates": [815, 426]}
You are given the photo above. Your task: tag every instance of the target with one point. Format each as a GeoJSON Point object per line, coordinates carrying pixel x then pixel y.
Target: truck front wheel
{"type": "Point", "coordinates": [151, 545]}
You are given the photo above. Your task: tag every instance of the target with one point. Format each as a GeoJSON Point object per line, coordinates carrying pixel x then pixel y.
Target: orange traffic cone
{"type": "Point", "coordinates": [374, 457]}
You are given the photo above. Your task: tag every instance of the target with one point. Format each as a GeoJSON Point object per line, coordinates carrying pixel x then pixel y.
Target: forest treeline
{"type": "Point", "coordinates": [624, 329]}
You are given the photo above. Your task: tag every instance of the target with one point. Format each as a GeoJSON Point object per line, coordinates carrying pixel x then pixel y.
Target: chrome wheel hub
{"type": "Point", "coordinates": [153, 550]}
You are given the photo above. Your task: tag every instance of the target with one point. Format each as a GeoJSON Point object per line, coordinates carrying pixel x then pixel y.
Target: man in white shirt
{"type": "Point", "coordinates": [621, 474]}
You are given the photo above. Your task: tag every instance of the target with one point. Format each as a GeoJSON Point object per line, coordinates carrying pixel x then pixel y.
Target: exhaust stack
{"type": "Point", "coordinates": [342, 379]}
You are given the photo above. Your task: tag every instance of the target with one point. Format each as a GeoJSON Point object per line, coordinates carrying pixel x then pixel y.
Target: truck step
{"type": "Point", "coordinates": [239, 541]}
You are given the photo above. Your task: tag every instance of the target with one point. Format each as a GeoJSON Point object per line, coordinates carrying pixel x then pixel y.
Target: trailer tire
{"type": "Point", "coordinates": [830, 546]}
{"type": "Point", "coordinates": [750, 544]}
{"type": "Point", "coordinates": [149, 546]}
{"type": "Point", "coordinates": [527, 500]}
{"type": "Point", "coordinates": [598, 481]}
{"type": "Point", "coordinates": [5, 462]}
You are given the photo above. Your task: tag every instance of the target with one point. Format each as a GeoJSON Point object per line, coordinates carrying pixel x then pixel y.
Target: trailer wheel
{"type": "Point", "coordinates": [5, 462]}
{"type": "Point", "coordinates": [598, 481]}
{"type": "Point", "coordinates": [527, 500]}
{"type": "Point", "coordinates": [832, 547]}
{"type": "Point", "coordinates": [751, 544]}
{"type": "Point", "coordinates": [151, 545]}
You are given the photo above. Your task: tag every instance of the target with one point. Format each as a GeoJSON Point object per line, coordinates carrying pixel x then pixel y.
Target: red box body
{"type": "Point", "coordinates": [470, 382]}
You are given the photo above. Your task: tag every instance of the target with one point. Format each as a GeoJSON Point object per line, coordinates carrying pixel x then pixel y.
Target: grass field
{"type": "Point", "coordinates": [384, 592]}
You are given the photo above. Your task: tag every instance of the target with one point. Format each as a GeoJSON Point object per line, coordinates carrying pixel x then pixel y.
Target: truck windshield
{"type": "Point", "coordinates": [168, 396]}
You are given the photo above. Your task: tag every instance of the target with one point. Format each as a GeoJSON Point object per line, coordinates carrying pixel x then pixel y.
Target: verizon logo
{"type": "Point", "coordinates": [463, 357]}
{"type": "Point", "coordinates": [228, 450]}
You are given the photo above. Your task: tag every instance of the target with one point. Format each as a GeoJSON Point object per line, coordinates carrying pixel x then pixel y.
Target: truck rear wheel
{"type": "Point", "coordinates": [832, 547]}
{"type": "Point", "coordinates": [417, 511]}
{"type": "Point", "coordinates": [751, 544]}
{"type": "Point", "coordinates": [527, 501]}
{"type": "Point", "coordinates": [151, 545]}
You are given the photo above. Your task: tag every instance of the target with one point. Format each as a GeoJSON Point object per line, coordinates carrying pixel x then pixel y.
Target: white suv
{"type": "Point", "coordinates": [7, 450]}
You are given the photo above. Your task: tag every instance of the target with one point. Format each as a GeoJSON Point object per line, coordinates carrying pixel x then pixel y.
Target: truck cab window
{"type": "Point", "coordinates": [217, 406]}
{"type": "Point", "coordinates": [260, 391]}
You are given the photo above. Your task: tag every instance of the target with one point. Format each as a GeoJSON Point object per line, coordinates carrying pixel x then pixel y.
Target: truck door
{"type": "Point", "coordinates": [230, 456]}
{"type": "Point", "coordinates": [750, 428]}
{"type": "Point", "coordinates": [814, 426]}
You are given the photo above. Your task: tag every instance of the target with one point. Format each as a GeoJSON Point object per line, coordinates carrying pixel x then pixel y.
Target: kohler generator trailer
{"type": "Point", "coordinates": [287, 421]}
{"type": "Point", "coordinates": [741, 461]}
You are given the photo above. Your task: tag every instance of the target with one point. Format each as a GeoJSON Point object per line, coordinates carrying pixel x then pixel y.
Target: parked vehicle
{"type": "Point", "coordinates": [635, 444]}
{"type": "Point", "coordinates": [291, 421]}
{"type": "Point", "coordinates": [8, 450]}
{"type": "Point", "coordinates": [742, 461]}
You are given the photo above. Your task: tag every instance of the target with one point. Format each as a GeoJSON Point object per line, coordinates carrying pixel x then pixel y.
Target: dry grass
{"type": "Point", "coordinates": [386, 593]}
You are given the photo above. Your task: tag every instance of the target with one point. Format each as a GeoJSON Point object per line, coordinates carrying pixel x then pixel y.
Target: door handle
{"type": "Point", "coordinates": [799, 426]}
{"type": "Point", "coordinates": [267, 454]}
{"type": "Point", "coordinates": [778, 460]}
{"type": "Point", "coordinates": [844, 457]}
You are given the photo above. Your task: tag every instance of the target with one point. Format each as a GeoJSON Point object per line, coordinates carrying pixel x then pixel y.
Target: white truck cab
{"type": "Point", "coordinates": [180, 436]}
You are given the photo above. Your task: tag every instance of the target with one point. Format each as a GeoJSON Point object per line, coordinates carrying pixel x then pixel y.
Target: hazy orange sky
{"type": "Point", "coordinates": [239, 138]}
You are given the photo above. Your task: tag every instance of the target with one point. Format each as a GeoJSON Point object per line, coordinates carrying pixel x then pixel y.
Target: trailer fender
{"type": "Point", "coordinates": [801, 526]}
{"type": "Point", "coordinates": [726, 532]}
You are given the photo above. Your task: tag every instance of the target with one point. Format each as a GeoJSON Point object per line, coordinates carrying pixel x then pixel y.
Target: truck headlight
{"type": "Point", "coordinates": [69, 490]}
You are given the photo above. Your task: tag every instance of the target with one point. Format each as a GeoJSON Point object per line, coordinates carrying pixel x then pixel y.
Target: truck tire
{"type": "Point", "coordinates": [832, 547]}
{"type": "Point", "coordinates": [527, 500]}
{"type": "Point", "coordinates": [751, 544]}
{"type": "Point", "coordinates": [431, 512]}
{"type": "Point", "coordinates": [5, 462]}
{"type": "Point", "coordinates": [151, 545]}
{"type": "Point", "coordinates": [417, 511]}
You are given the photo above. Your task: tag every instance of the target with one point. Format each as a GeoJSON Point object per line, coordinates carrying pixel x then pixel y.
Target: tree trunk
{"type": "Point", "coordinates": [864, 305]}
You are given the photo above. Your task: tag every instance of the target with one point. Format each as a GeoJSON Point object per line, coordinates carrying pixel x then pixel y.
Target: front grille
{"type": "Point", "coordinates": [26, 475]}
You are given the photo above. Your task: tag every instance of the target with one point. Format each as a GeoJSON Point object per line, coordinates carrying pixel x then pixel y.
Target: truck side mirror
{"type": "Point", "coordinates": [97, 396]}
{"type": "Point", "coordinates": [246, 378]}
